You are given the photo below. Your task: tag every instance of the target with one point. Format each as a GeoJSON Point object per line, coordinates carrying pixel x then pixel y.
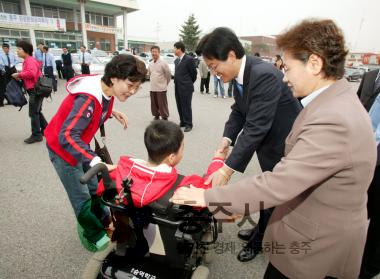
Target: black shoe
{"type": "Point", "coordinates": [33, 139]}
{"type": "Point", "coordinates": [245, 234]}
{"type": "Point", "coordinates": [207, 92]}
{"type": "Point", "coordinates": [248, 254]}
{"type": "Point", "coordinates": [181, 125]}
{"type": "Point", "coordinates": [187, 129]}
{"type": "Point", "coordinates": [1, 105]}
{"type": "Point", "coordinates": [165, 118]}
{"type": "Point", "coordinates": [156, 118]}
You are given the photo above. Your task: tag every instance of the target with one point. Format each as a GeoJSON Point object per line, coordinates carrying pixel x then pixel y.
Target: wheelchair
{"type": "Point", "coordinates": [187, 235]}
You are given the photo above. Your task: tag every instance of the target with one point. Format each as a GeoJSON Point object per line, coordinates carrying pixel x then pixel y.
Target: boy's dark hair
{"type": "Point", "coordinates": [26, 47]}
{"type": "Point", "coordinates": [124, 66]}
{"type": "Point", "coordinates": [180, 45]}
{"type": "Point", "coordinates": [155, 47]}
{"type": "Point", "coordinates": [218, 43]}
{"type": "Point", "coordinates": [321, 37]}
{"type": "Point", "coordinates": [161, 139]}
{"type": "Point", "coordinates": [6, 45]}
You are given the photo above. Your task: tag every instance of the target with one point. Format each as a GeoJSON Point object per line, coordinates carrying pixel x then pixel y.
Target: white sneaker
{"type": "Point", "coordinates": [215, 96]}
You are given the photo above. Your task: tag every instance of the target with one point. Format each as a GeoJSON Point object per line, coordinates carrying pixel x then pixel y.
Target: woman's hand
{"type": "Point", "coordinates": [189, 196]}
{"type": "Point", "coordinates": [15, 76]}
{"type": "Point", "coordinates": [121, 117]}
{"type": "Point", "coordinates": [111, 167]}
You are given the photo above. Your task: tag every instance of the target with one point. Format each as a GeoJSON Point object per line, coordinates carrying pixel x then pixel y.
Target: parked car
{"type": "Point", "coordinates": [57, 53]}
{"type": "Point", "coordinates": [352, 74]}
{"type": "Point", "coordinates": [96, 67]}
{"type": "Point", "coordinates": [170, 61]}
{"type": "Point", "coordinates": [101, 55]}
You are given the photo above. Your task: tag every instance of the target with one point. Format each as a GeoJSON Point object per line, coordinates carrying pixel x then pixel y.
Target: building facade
{"type": "Point", "coordinates": [265, 45]}
{"type": "Point", "coordinates": [65, 23]}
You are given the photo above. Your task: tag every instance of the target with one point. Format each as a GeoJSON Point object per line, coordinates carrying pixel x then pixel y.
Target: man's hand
{"type": "Point", "coordinates": [224, 145]}
{"type": "Point", "coordinates": [121, 117]}
{"type": "Point", "coordinates": [221, 154]}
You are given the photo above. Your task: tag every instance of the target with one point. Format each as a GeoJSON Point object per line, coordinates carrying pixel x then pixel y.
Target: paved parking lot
{"type": "Point", "coordinates": [38, 230]}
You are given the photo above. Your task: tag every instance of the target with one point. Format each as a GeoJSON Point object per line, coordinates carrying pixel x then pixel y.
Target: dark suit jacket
{"type": "Point", "coordinates": [264, 116]}
{"type": "Point", "coordinates": [366, 89]}
{"type": "Point", "coordinates": [185, 74]}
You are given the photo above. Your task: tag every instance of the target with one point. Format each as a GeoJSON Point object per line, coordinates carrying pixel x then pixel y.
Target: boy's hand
{"type": "Point", "coordinates": [220, 177]}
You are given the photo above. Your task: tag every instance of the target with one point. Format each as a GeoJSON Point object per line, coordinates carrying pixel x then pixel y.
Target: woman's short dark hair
{"type": "Point", "coordinates": [161, 139]}
{"type": "Point", "coordinates": [320, 37]}
{"type": "Point", "coordinates": [218, 43]}
{"type": "Point", "coordinates": [124, 66]}
{"type": "Point", "coordinates": [180, 45]}
{"type": "Point", "coordinates": [26, 47]}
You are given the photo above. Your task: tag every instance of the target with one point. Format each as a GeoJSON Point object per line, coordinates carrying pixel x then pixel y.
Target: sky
{"type": "Point", "coordinates": [359, 19]}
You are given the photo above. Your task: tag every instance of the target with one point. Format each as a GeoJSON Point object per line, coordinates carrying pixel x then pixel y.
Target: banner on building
{"type": "Point", "coordinates": [14, 21]}
{"type": "Point", "coordinates": [102, 29]}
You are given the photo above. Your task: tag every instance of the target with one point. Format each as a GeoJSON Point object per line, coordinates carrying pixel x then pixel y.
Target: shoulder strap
{"type": "Point", "coordinates": [162, 204]}
{"type": "Point", "coordinates": [102, 131]}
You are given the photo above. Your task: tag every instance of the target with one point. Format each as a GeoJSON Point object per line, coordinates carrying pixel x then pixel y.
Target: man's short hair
{"type": "Point", "coordinates": [40, 43]}
{"type": "Point", "coordinates": [257, 54]}
{"type": "Point", "coordinates": [83, 46]}
{"type": "Point", "coordinates": [6, 45]}
{"type": "Point", "coordinates": [320, 37]}
{"type": "Point", "coordinates": [180, 45]}
{"type": "Point", "coordinates": [155, 47]}
{"type": "Point", "coordinates": [218, 43]}
{"type": "Point", "coordinates": [45, 48]}
{"type": "Point", "coordinates": [161, 139]}
{"type": "Point", "coordinates": [26, 47]}
{"type": "Point", "coordinates": [124, 66]}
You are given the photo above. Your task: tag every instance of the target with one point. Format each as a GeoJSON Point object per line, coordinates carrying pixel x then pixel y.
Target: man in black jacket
{"type": "Point", "coordinates": [68, 70]}
{"type": "Point", "coordinates": [369, 88]}
{"type": "Point", "coordinates": [260, 120]}
{"type": "Point", "coordinates": [184, 78]}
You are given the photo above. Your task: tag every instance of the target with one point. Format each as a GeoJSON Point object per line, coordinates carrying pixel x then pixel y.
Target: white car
{"type": "Point", "coordinates": [170, 61]}
{"type": "Point", "coordinates": [96, 67]}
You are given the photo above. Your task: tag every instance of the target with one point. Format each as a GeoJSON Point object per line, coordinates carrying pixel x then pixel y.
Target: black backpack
{"type": "Point", "coordinates": [15, 94]}
{"type": "Point", "coordinates": [44, 86]}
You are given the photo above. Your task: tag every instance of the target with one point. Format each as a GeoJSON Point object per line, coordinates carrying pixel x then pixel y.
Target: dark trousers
{"type": "Point", "coordinates": [68, 72]}
{"type": "Point", "coordinates": [37, 119]}
{"type": "Point", "coordinates": [85, 69]}
{"type": "Point", "coordinates": [371, 257]}
{"type": "Point", "coordinates": [5, 78]}
{"type": "Point", "coordinates": [59, 69]}
{"type": "Point", "coordinates": [183, 100]}
{"type": "Point", "coordinates": [205, 83]}
{"type": "Point", "coordinates": [159, 104]}
{"type": "Point", "coordinates": [49, 72]}
{"type": "Point", "coordinates": [256, 242]}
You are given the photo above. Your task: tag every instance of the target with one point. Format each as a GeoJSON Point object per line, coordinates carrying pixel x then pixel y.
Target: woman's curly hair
{"type": "Point", "coordinates": [124, 66]}
{"type": "Point", "coordinates": [320, 37]}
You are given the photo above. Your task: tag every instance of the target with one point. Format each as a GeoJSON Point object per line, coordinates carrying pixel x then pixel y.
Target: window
{"type": "Point", "coordinates": [105, 44]}
{"type": "Point", "coordinates": [63, 14]}
{"type": "Point", "coordinates": [48, 12]}
{"type": "Point", "coordinates": [11, 8]}
{"type": "Point", "coordinates": [105, 20]}
{"type": "Point", "coordinates": [87, 16]}
{"type": "Point", "coordinates": [92, 18]}
{"type": "Point", "coordinates": [55, 13]}
{"type": "Point", "coordinates": [37, 11]}
{"type": "Point", "coordinates": [111, 21]}
{"type": "Point", "coordinates": [98, 19]}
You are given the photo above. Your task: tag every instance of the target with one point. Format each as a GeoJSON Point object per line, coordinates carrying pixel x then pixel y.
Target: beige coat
{"type": "Point", "coordinates": [160, 75]}
{"type": "Point", "coordinates": [203, 69]}
{"type": "Point", "coordinates": [319, 189]}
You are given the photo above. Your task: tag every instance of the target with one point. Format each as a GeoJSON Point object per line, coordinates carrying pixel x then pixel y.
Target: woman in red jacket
{"type": "Point", "coordinates": [88, 105]}
{"type": "Point", "coordinates": [29, 75]}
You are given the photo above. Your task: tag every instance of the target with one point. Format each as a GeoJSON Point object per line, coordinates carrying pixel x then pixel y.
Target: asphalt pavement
{"type": "Point", "coordinates": [38, 236]}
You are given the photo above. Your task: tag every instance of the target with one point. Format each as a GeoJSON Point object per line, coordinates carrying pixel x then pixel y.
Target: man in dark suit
{"type": "Point", "coordinates": [369, 88]}
{"type": "Point", "coordinates": [184, 78]}
{"type": "Point", "coordinates": [260, 120]}
{"type": "Point", "coordinates": [68, 70]}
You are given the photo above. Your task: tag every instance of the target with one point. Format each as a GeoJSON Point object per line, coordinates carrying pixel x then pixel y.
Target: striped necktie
{"type": "Point", "coordinates": [240, 88]}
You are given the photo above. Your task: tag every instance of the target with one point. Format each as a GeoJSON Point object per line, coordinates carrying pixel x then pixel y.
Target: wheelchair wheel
{"type": "Point", "coordinates": [201, 272]}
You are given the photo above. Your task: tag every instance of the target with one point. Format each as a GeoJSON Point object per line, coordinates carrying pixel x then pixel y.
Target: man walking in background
{"type": "Point", "coordinates": [85, 60]}
{"type": "Point", "coordinates": [7, 67]}
{"type": "Point", "coordinates": [205, 75]}
{"type": "Point", "coordinates": [184, 78]}
{"type": "Point", "coordinates": [160, 76]}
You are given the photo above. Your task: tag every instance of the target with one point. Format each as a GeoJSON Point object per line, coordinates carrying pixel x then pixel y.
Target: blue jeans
{"type": "Point", "coordinates": [219, 82]}
{"type": "Point", "coordinates": [87, 207]}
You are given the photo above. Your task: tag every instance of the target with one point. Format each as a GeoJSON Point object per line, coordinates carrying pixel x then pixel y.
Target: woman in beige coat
{"type": "Point", "coordinates": [319, 188]}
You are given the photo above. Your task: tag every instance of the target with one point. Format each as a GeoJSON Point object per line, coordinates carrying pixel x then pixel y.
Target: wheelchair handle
{"type": "Point", "coordinates": [100, 167]}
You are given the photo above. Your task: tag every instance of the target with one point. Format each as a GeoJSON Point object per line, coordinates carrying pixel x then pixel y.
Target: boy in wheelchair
{"type": "Point", "coordinates": [155, 178]}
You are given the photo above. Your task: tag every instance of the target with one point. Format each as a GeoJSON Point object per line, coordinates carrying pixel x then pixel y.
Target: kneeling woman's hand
{"type": "Point", "coordinates": [121, 117]}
